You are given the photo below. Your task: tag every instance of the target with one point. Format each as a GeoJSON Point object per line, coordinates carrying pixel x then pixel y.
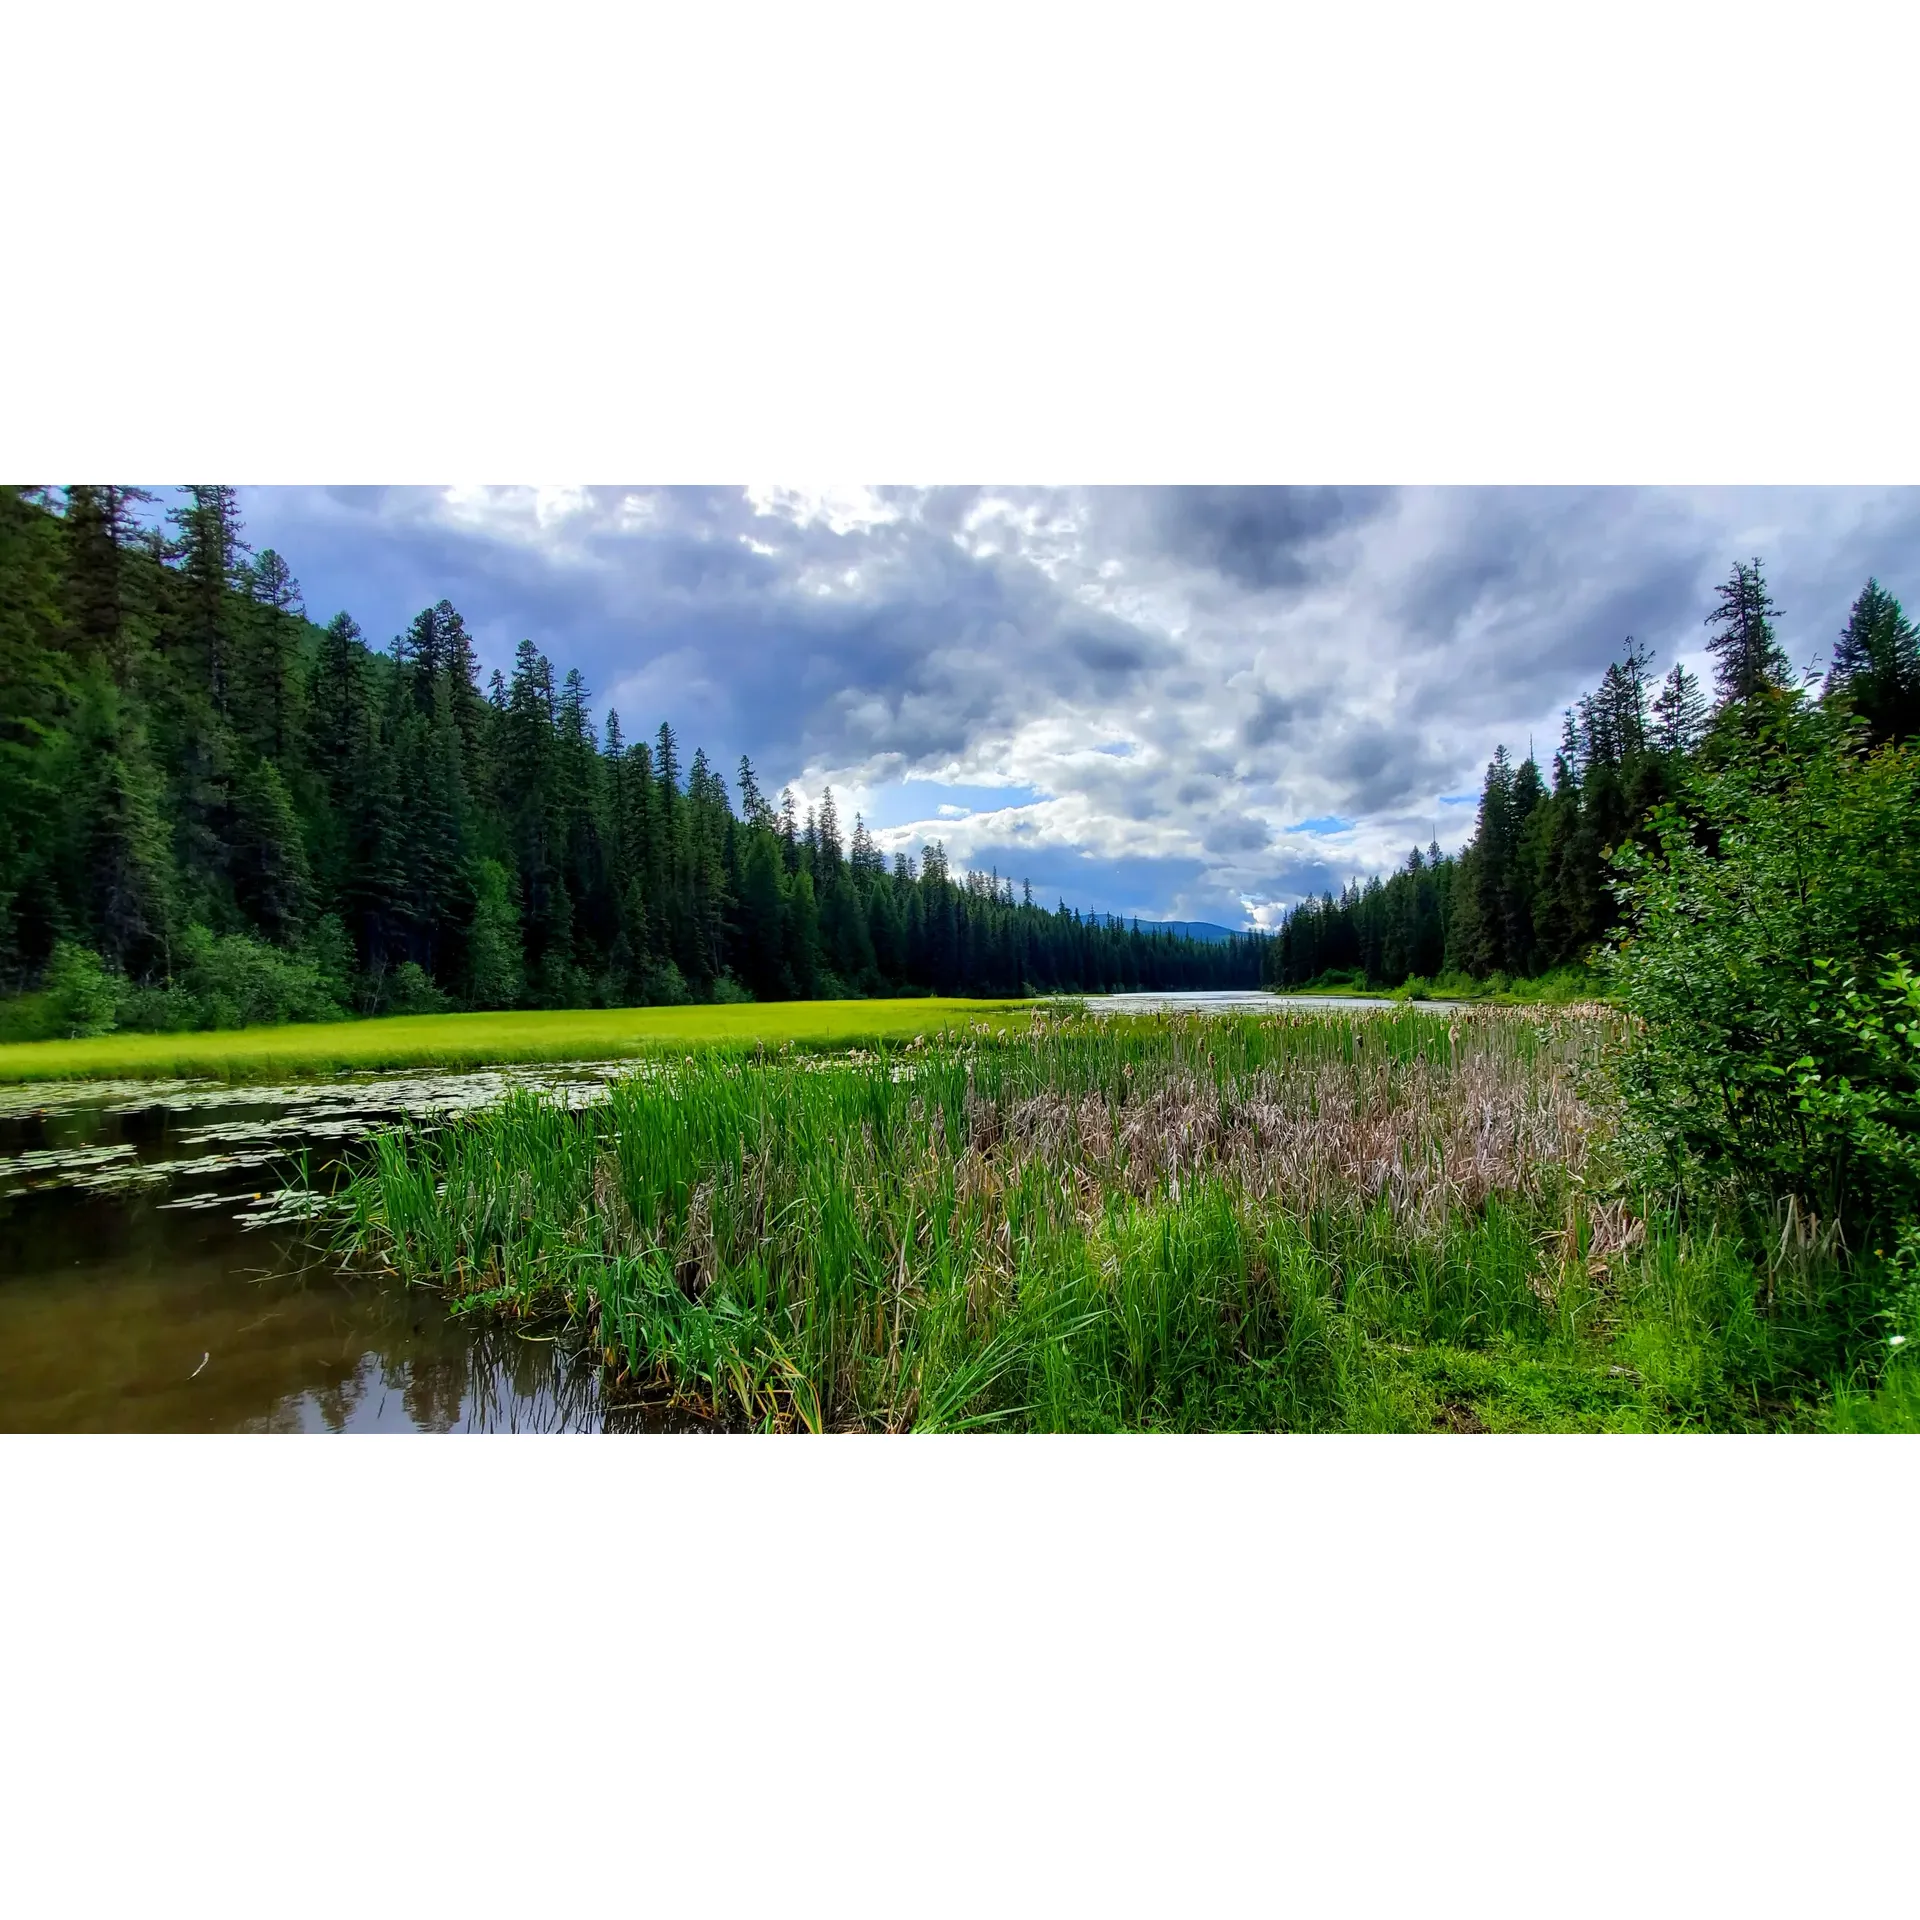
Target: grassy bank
{"type": "Point", "coordinates": [1564, 987]}
{"type": "Point", "coordinates": [455, 1040]}
{"type": "Point", "coordinates": [1381, 1222]}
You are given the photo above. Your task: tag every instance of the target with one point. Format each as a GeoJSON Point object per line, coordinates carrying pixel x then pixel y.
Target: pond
{"type": "Point", "coordinates": [153, 1277]}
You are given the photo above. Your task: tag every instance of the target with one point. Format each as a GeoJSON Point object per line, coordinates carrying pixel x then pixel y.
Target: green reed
{"type": "Point", "coordinates": [1272, 1221]}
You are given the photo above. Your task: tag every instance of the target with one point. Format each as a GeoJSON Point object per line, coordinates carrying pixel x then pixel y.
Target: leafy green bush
{"type": "Point", "coordinates": [84, 995]}
{"type": "Point", "coordinates": [1774, 891]}
{"type": "Point", "coordinates": [160, 1009]}
{"type": "Point", "coordinates": [728, 992]}
{"type": "Point", "coordinates": [664, 985]}
{"type": "Point", "coordinates": [330, 953]}
{"type": "Point", "coordinates": [1863, 1097]}
{"type": "Point", "coordinates": [235, 980]}
{"type": "Point", "coordinates": [28, 1016]}
{"type": "Point", "coordinates": [413, 991]}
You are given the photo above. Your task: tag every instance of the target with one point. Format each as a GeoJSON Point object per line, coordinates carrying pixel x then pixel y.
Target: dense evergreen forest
{"type": "Point", "coordinates": [1533, 890]}
{"type": "Point", "coordinates": [214, 810]}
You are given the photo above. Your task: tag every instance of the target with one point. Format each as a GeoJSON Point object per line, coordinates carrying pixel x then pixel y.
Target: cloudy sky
{"type": "Point", "coordinates": [1177, 702]}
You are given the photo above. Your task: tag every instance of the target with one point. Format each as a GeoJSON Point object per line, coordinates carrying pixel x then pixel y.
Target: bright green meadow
{"type": "Point", "coordinates": [455, 1040]}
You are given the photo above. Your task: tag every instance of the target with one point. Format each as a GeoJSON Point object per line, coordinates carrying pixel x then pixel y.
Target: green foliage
{"type": "Point", "coordinates": [1876, 665]}
{"type": "Point", "coordinates": [1748, 661]}
{"type": "Point", "coordinates": [1530, 893]}
{"type": "Point", "coordinates": [236, 980]}
{"type": "Point", "coordinates": [412, 991]}
{"type": "Point", "coordinates": [1093, 1224]}
{"type": "Point", "coordinates": [28, 1016]}
{"type": "Point", "coordinates": [1861, 1104]}
{"type": "Point", "coordinates": [495, 971]}
{"type": "Point", "coordinates": [83, 994]}
{"type": "Point", "coordinates": [1757, 921]}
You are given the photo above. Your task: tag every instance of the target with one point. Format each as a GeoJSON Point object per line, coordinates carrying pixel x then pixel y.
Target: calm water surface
{"type": "Point", "coordinates": [154, 1279]}
{"type": "Point", "coordinates": [1246, 1000]}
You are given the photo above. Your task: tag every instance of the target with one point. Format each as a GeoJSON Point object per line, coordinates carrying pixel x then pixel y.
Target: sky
{"type": "Point", "coordinates": [1177, 702]}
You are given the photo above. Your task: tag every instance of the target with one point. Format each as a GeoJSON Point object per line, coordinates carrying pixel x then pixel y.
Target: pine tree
{"type": "Point", "coordinates": [127, 862]}
{"type": "Point", "coordinates": [528, 771]}
{"type": "Point", "coordinates": [269, 677]}
{"type": "Point", "coordinates": [753, 803]}
{"type": "Point", "coordinates": [103, 606]}
{"type": "Point", "coordinates": [212, 557]}
{"type": "Point", "coordinates": [495, 968]}
{"type": "Point", "coordinates": [268, 861]}
{"type": "Point", "coordinates": [1876, 666]}
{"type": "Point", "coordinates": [800, 947]}
{"type": "Point", "coordinates": [827, 832]}
{"type": "Point", "coordinates": [1680, 714]}
{"type": "Point", "coordinates": [763, 917]}
{"type": "Point", "coordinates": [1748, 660]}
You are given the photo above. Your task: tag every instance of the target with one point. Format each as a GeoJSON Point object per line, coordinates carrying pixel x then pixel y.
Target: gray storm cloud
{"type": "Point", "coordinates": [1196, 701]}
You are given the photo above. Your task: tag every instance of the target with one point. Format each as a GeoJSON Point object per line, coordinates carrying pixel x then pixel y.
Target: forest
{"type": "Point", "coordinates": [1534, 891]}
{"type": "Point", "coordinates": [215, 811]}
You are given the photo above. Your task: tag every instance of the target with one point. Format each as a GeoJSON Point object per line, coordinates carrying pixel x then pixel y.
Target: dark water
{"type": "Point", "coordinates": [154, 1279]}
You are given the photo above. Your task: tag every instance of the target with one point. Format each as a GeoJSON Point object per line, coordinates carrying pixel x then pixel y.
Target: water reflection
{"type": "Point", "coordinates": [151, 1279]}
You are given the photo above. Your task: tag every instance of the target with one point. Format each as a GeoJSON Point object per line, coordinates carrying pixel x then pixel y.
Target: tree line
{"type": "Point", "coordinates": [1534, 890]}
{"type": "Point", "coordinates": [215, 809]}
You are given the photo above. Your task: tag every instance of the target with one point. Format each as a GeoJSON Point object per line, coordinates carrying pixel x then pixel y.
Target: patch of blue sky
{"type": "Point", "coordinates": [1322, 824]}
{"type": "Point", "coordinates": [901, 802]}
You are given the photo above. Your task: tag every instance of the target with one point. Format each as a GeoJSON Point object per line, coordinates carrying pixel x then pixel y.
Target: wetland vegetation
{"type": "Point", "coordinates": [1670, 1179]}
{"type": "Point", "coordinates": [1393, 1221]}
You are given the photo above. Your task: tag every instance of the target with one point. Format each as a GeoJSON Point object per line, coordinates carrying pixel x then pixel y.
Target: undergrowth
{"type": "Point", "coordinates": [1392, 1222]}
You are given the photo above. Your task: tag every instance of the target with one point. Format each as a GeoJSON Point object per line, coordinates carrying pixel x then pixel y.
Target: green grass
{"type": "Point", "coordinates": [455, 1040]}
{"type": "Point", "coordinates": [1379, 1223]}
{"type": "Point", "coordinates": [1564, 987]}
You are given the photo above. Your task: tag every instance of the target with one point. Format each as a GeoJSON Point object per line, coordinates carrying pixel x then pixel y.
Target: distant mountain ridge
{"type": "Point", "coordinates": [1189, 929]}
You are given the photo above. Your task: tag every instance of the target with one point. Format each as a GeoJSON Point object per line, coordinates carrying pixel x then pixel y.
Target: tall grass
{"type": "Point", "coordinates": [1386, 1221]}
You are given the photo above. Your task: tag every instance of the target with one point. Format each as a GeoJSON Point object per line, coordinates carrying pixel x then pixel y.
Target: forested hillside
{"type": "Point", "coordinates": [1534, 889]}
{"type": "Point", "coordinates": [213, 810]}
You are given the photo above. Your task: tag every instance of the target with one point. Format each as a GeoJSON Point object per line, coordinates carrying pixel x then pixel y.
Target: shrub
{"type": "Point", "coordinates": [29, 1016]}
{"type": "Point", "coordinates": [235, 980]}
{"type": "Point", "coordinates": [1862, 1101]}
{"type": "Point", "coordinates": [330, 953]}
{"type": "Point", "coordinates": [663, 985]}
{"type": "Point", "coordinates": [1753, 930]}
{"type": "Point", "coordinates": [161, 1009]}
{"type": "Point", "coordinates": [83, 994]}
{"type": "Point", "coordinates": [413, 991]}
